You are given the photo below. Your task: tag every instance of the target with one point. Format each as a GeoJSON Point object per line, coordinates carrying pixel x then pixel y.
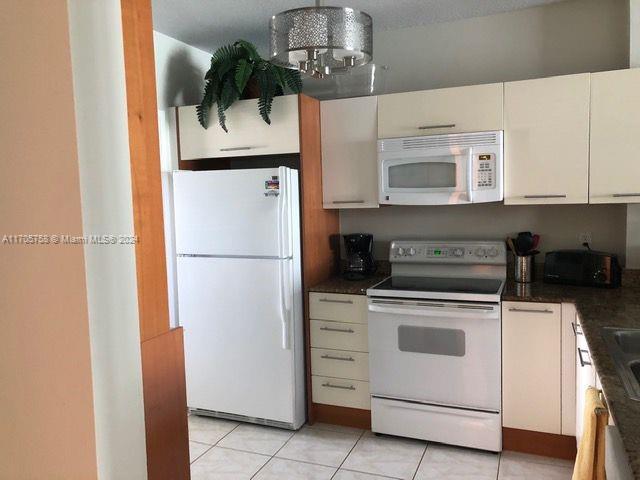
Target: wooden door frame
{"type": "Point", "coordinates": [163, 374]}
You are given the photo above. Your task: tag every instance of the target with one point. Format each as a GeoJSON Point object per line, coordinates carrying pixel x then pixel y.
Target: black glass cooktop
{"type": "Point", "coordinates": [438, 284]}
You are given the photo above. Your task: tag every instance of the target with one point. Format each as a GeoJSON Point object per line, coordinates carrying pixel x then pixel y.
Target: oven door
{"type": "Point", "coordinates": [433, 177]}
{"type": "Point", "coordinates": [439, 353]}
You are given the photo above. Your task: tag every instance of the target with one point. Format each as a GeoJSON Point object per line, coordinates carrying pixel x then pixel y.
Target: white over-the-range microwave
{"type": "Point", "coordinates": [441, 169]}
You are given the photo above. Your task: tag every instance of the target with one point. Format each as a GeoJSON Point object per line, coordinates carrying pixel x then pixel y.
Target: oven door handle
{"type": "Point", "coordinates": [435, 310]}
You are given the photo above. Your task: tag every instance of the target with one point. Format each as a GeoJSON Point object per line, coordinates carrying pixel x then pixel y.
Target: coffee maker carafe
{"type": "Point", "coordinates": [360, 263]}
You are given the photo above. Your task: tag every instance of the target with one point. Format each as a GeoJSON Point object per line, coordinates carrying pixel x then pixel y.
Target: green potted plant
{"type": "Point", "coordinates": [236, 70]}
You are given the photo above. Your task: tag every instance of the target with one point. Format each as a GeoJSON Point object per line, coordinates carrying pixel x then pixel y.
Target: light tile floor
{"type": "Point", "coordinates": [222, 449]}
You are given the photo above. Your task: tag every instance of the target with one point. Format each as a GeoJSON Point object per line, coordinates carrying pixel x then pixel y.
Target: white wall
{"type": "Point", "coordinates": [566, 37]}
{"type": "Point", "coordinates": [560, 38]}
{"type": "Point", "coordinates": [558, 225]}
{"type": "Point", "coordinates": [180, 70]}
{"type": "Point", "coordinates": [105, 185]}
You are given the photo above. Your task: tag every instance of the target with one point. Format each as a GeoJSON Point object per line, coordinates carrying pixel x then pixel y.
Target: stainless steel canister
{"type": "Point", "coordinates": [524, 268]}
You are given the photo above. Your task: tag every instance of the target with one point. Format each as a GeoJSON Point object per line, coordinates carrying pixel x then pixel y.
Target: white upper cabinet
{"type": "Point", "coordinates": [615, 137]}
{"type": "Point", "coordinates": [248, 134]}
{"type": "Point", "coordinates": [476, 108]}
{"type": "Point", "coordinates": [349, 153]}
{"type": "Point", "coordinates": [546, 140]}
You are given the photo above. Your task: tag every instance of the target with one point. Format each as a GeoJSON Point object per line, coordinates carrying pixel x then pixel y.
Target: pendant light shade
{"type": "Point", "coordinates": [321, 40]}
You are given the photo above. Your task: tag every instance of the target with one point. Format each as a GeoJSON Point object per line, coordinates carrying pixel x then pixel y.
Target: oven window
{"type": "Point", "coordinates": [436, 341]}
{"type": "Point", "coordinates": [423, 175]}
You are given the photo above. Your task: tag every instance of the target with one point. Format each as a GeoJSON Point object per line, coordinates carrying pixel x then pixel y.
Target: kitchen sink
{"type": "Point", "coordinates": [624, 346]}
{"type": "Point", "coordinates": [628, 341]}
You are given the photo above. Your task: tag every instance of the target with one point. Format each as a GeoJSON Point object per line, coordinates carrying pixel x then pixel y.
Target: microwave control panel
{"type": "Point", "coordinates": [484, 172]}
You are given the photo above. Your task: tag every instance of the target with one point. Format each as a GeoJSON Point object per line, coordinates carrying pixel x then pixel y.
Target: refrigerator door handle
{"type": "Point", "coordinates": [284, 291]}
{"type": "Point", "coordinates": [284, 229]}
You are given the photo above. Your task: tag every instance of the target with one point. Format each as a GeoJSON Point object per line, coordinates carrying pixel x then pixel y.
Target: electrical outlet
{"type": "Point", "coordinates": [584, 237]}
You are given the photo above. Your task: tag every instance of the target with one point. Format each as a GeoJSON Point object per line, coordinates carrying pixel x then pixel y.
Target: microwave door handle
{"type": "Point", "coordinates": [470, 176]}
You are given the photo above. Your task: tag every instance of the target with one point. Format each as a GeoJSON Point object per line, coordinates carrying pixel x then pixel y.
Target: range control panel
{"type": "Point", "coordinates": [408, 251]}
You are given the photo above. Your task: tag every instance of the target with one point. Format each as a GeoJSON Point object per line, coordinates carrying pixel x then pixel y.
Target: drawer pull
{"type": "Point", "coordinates": [330, 300]}
{"type": "Point", "coordinates": [234, 149]}
{"type": "Point", "coordinates": [619, 195]}
{"type": "Point", "coordinates": [344, 359]}
{"type": "Point", "coordinates": [341, 330]}
{"type": "Point", "coordinates": [576, 329]}
{"type": "Point", "coordinates": [431, 127]}
{"type": "Point", "coordinates": [329, 385]}
{"type": "Point", "coordinates": [339, 202]}
{"type": "Point", "coordinates": [530, 310]}
{"type": "Point", "coordinates": [583, 362]}
{"type": "Point", "coordinates": [545, 196]}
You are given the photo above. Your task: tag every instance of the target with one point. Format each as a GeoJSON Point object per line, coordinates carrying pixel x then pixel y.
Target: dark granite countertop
{"type": "Point", "coordinates": [350, 287]}
{"type": "Point", "coordinates": [598, 308]}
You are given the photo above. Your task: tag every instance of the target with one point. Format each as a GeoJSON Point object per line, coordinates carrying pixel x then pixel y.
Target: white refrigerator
{"type": "Point", "coordinates": [237, 235]}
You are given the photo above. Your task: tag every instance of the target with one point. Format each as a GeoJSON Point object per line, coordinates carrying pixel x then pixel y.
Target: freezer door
{"type": "Point", "coordinates": [238, 330]}
{"type": "Point", "coordinates": [244, 213]}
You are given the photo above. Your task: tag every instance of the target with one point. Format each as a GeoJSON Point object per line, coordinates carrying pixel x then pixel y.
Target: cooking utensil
{"type": "Point", "coordinates": [536, 241]}
{"type": "Point", "coordinates": [524, 242]}
{"type": "Point", "coordinates": [512, 247]}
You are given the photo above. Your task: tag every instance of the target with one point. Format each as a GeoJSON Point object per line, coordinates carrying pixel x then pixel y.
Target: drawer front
{"type": "Point", "coordinates": [339, 336]}
{"type": "Point", "coordinates": [338, 307]}
{"type": "Point", "coordinates": [474, 108]}
{"type": "Point", "coordinates": [340, 364]}
{"type": "Point", "coordinates": [343, 393]}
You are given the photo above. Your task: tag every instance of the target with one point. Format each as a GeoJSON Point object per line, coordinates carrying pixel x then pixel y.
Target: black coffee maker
{"type": "Point", "coordinates": [360, 264]}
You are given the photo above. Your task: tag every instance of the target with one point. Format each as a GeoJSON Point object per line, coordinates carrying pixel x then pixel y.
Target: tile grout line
{"type": "Point", "coordinates": [210, 446]}
{"type": "Point", "coordinates": [499, 463]}
{"type": "Point", "coordinates": [420, 462]}
{"type": "Point", "coordinates": [274, 455]}
{"type": "Point", "coordinates": [347, 455]}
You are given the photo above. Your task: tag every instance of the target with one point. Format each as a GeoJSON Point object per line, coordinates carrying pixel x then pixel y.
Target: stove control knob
{"type": "Point", "coordinates": [480, 252]}
{"type": "Point", "coordinates": [493, 252]}
{"type": "Point", "coordinates": [411, 252]}
{"type": "Point", "coordinates": [458, 252]}
{"type": "Point", "coordinates": [400, 251]}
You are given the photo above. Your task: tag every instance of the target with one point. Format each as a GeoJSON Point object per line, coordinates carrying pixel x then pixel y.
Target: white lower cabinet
{"type": "Point", "coordinates": [585, 377]}
{"type": "Point", "coordinates": [538, 367]}
{"type": "Point", "coordinates": [339, 350]}
{"type": "Point", "coordinates": [531, 366]}
{"type": "Point", "coordinates": [341, 392]}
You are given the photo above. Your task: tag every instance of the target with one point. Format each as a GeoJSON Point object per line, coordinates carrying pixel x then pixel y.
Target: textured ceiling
{"type": "Point", "coordinates": [207, 24]}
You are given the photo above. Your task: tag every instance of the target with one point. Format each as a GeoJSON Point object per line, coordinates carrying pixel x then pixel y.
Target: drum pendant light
{"type": "Point", "coordinates": [321, 40]}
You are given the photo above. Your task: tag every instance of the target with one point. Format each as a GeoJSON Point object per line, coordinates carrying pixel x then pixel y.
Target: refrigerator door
{"type": "Point", "coordinates": [238, 320]}
{"type": "Point", "coordinates": [234, 213]}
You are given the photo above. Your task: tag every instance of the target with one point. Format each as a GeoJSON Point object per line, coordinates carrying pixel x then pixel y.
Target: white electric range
{"type": "Point", "coordinates": [435, 343]}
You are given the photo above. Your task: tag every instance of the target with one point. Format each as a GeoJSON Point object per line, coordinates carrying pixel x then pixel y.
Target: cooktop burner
{"type": "Point", "coordinates": [481, 286]}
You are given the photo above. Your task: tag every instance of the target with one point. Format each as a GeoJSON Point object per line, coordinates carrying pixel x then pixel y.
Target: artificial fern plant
{"type": "Point", "coordinates": [232, 68]}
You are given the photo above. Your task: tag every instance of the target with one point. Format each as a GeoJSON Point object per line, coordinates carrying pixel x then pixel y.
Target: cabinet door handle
{"type": "Point", "coordinates": [331, 300]}
{"type": "Point", "coordinates": [576, 329]}
{"type": "Point", "coordinates": [431, 127]}
{"type": "Point", "coordinates": [329, 385]}
{"type": "Point", "coordinates": [529, 310]}
{"type": "Point", "coordinates": [545, 196]}
{"type": "Point", "coordinates": [233, 149]}
{"type": "Point", "coordinates": [341, 330]}
{"type": "Point", "coordinates": [583, 362]}
{"type": "Point", "coordinates": [344, 359]}
{"type": "Point", "coordinates": [618, 195]}
{"type": "Point", "coordinates": [340, 202]}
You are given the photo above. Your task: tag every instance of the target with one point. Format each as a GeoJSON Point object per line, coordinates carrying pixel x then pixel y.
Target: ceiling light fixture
{"type": "Point", "coordinates": [320, 40]}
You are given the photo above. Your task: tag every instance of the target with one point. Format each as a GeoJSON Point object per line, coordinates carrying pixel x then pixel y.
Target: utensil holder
{"type": "Point", "coordinates": [524, 268]}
